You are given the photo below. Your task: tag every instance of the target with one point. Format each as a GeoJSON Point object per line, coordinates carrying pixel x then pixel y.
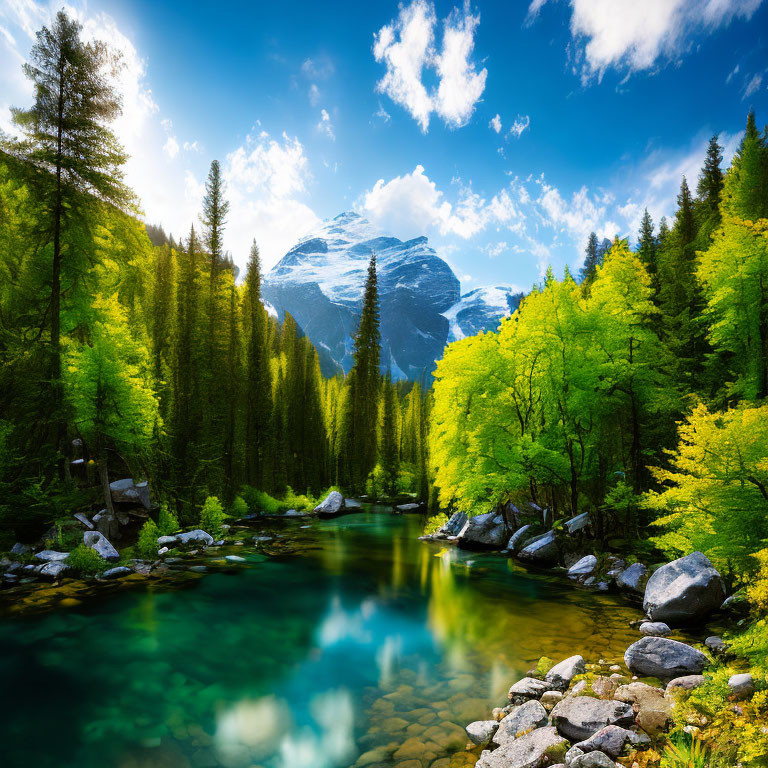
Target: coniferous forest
{"type": "Point", "coordinates": [157, 415]}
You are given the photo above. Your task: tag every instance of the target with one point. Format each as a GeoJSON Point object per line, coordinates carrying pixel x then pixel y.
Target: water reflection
{"type": "Point", "coordinates": [367, 648]}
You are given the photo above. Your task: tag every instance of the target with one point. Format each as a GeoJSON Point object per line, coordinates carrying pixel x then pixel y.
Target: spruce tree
{"type": "Point", "coordinates": [591, 259]}
{"type": "Point", "coordinates": [232, 377]}
{"type": "Point", "coordinates": [73, 159]}
{"type": "Point", "coordinates": [363, 382]}
{"type": "Point", "coordinates": [258, 386]}
{"type": "Point", "coordinates": [647, 247]}
{"type": "Point", "coordinates": [746, 184]}
{"type": "Point", "coordinates": [709, 189]}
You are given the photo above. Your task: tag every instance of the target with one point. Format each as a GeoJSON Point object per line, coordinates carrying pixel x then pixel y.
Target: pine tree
{"type": "Point", "coordinates": [233, 375]}
{"type": "Point", "coordinates": [746, 184]}
{"type": "Point", "coordinates": [709, 190]}
{"type": "Point", "coordinates": [361, 404]}
{"type": "Point", "coordinates": [258, 386]}
{"type": "Point", "coordinates": [74, 157]}
{"type": "Point", "coordinates": [647, 249]}
{"type": "Point", "coordinates": [591, 259]}
{"type": "Point", "coordinates": [162, 301]}
{"type": "Point", "coordinates": [214, 218]}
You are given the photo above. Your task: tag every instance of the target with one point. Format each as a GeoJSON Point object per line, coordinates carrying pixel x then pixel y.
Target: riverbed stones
{"type": "Point", "coordinates": [560, 676]}
{"type": "Point", "coordinates": [611, 740]}
{"type": "Point", "coordinates": [741, 686]}
{"type": "Point", "coordinates": [408, 509]}
{"type": "Point", "coordinates": [584, 567]}
{"type": "Point", "coordinates": [578, 523]}
{"type": "Point", "coordinates": [593, 760]}
{"type": "Point", "coordinates": [604, 687]}
{"type": "Point", "coordinates": [525, 718]}
{"type": "Point", "coordinates": [541, 551]}
{"type": "Point", "coordinates": [117, 572]}
{"type": "Point", "coordinates": [99, 542]}
{"type": "Point", "coordinates": [198, 536]}
{"type": "Point", "coordinates": [53, 570]}
{"type": "Point", "coordinates": [579, 717]}
{"type": "Point", "coordinates": [655, 629]}
{"type": "Point", "coordinates": [125, 491]}
{"type": "Point", "coordinates": [331, 505]}
{"type": "Point", "coordinates": [684, 591]}
{"type": "Point", "coordinates": [715, 644]}
{"type": "Point", "coordinates": [519, 538]}
{"type": "Point", "coordinates": [235, 559]}
{"type": "Point", "coordinates": [652, 709]}
{"type": "Point", "coordinates": [454, 525]}
{"type": "Point", "coordinates": [550, 698]}
{"type": "Point", "coordinates": [20, 549]}
{"type": "Point", "coordinates": [664, 658]}
{"type": "Point", "coordinates": [633, 579]}
{"type": "Point", "coordinates": [527, 688]}
{"type": "Point", "coordinates": [684, 683]}
{"type": "Point", "coordinates": [51, 556]}
{"type": "Point", "coordinates": [539, 748]}
{"type": "Point", "coordinates": [82, 518]}
{"type": "Point", "coordinates": [481, 731]}
{"type": "Point", "coordinates": [488, 531]}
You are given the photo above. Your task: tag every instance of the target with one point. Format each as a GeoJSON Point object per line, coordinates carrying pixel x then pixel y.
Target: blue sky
{"type": "Point", "coordinates": [315, 108]}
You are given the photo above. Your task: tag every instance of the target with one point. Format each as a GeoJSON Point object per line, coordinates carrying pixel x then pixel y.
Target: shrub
{"type": "Point", "coordinates": [85, 561]}
{"type": "Point", "coordinates": [259, 501]}
{"type": "Point", "coordinates": [543, 665]}
{"type": "Point", "coordinates": [238, 508]}
{"type": "Point", "coordinates": [685, 752]}
{"type": "Point", "coordinates": [212, 516]}
{"type": "Point", "coordinates": [435, 523]}
{"type": "Point", "coordinates": [167, 521]}
{"type": "Point", "coordinates": [757, 591]}
{"type": "Point", "coordinates": [147, 545]}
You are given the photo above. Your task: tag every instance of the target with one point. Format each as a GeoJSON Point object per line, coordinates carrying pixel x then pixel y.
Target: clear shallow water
{"type": "Point", "coordinates": [369, 648]}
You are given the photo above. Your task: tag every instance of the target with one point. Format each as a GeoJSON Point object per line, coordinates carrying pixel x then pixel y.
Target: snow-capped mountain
{"type": "Point", "coordinates": [320, 282]}
{"type": "Point", "coordinates": [481, 310]}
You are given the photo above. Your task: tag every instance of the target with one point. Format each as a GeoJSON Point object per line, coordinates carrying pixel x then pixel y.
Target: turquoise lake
{"type": "Point", "coordinates": [365, 648]}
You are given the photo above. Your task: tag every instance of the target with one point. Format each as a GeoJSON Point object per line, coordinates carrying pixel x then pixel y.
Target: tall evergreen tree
{"type": "Point", "coordinates": [258, 385]}
{"type": "Point", "coordinates": [647, 247]}
{"type": "Point", "coordinates": [709, 190]}
{"type": "Point", "coordinates": [74, 158]}
{"type": "Point", "coordinates": [232, 377]}
{"type": "Point", "coordinates": [361, 404]}
{"type": "Point", "coordinates": [591, 259]}
{"type": "Point", "coordinates": [746, 184]}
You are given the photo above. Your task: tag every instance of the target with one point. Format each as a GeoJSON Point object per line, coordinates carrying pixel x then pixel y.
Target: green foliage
{"type": "Point", "coordinates": [147, 544]}
{"type": "Point", "coordinates": [85, 561]}
{"type": "Point", "coordinates": [167, 522]}
{"type": "Point", "coordinates": [543, 665]}
{"type": "Point", "coordinates": [259, 501]}
{"type": "Point", "coordinates": [713, 496]}
{"type": "Point", "coordinates": [435, 522]}
{"type": "Point", "coordinates": [238, 508]}
{"type": "Point", "coordinates": [212, 516]}
{"type": "Point", "coordinates": [685, 752]}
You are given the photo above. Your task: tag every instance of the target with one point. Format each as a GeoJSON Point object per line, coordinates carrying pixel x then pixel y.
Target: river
{"type": "Point", "coordinates": [365, 648]}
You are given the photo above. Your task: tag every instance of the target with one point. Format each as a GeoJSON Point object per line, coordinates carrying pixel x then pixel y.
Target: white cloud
{"type": "Point", "coordinates": [264, 179]}
{"type": "Point", "coordinates": [412, 204]}
{"type": "Point", "coordinates": [314, 95]}
{"type": "Point", "coordinates": [519, 126]}
{"type": "Point", "coordinates": [732, 74]}
{"type": "Point", "coordinates": [171, 147]}
{"type": "Point", "coordinates": [633, 36]}
{"type": "Point", "coordinates": [318, 68]}
{"type": "Point", "coordinates": [325, 126]}
{"type": "Point", "coordinates": [495, 249]}
{"type": "Point", "coordinates": [191, 146]}
{"type": "Point", "coordinates": [583, 213]}
{"type": "Point", "coordinates": [753, 86]}
{"type": "Point", "coordinates": [383, 114]}
{"type": "Point", "coordinates": [407, 48]}
{"type": "Point", "coordinates": [495, 123]}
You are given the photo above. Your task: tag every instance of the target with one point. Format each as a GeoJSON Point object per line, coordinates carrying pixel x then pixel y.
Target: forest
{"type": "Point", "coordinates": [152, 354]}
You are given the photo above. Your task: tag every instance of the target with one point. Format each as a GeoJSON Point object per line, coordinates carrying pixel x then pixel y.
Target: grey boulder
{"type": "Point", "coordinates": [331, 505]}
{"type": "Point", "coordinates": [527, 688]}
{"type": "Point", "coordinates": [198, 536]}
{"type": "Point", "coordinates": [684, 591]}
{"type": "Point", "coordinates": [488, 531]}
{"type": "Point", "coordinates": [481, 731]}
{"type": "Point", "coordinates": [20, 549]}
{"type": "Point", "coordinates": [125, 491]}
{"type": "Point", "coordinates": [454, 525]}
{"type": "Point", "coordinates": [542, 550]}
{"type": "Point", "coordinates": [407, 509]}
{"type": "Point", "coordinates": [519, 538]}
{"type": "Point", "coordinates": [593, 760]}
{"type": "Point", "coordinates": [611, 740]}
{"type": "Point", "coordinates": [633, 579]}
{"type": "Point", "coordinates": [117, 573]}
{"type": "Point", "coordinates": [741, 686]}
{"type": "Point", "coordinates": [560, 676]}
{"type": "Point", "coordinates": [655, 629]}
{"type": "Point", "coordinates": [51, 556]}
{"type": "Point", "coordinates": [82, 518]}
{"type": "Point", "coordinates": [684, 683]}
{"type": "Point", "coordinates": [578, 523]}
{"type": "Point", "coordinates": [579, 717]}
{"type": "Point", "coordinates": [525, 718]}
{"type": "Point", "coordinates": [664, 658]}
{"type": "Point", "coordinates": [100, 543]}
{"type": "Point", "coordinates": [584, 567]}
{"type": "Point", "coordinates": [53, 569]}
{"type": "Point", "coordinates": [537, 749]}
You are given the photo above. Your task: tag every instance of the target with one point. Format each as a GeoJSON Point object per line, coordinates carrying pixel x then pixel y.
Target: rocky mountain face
{"type": "Point", "coordinates": [320, 282]}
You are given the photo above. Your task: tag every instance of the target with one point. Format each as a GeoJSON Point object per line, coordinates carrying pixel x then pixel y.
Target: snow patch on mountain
{"type": "Point", "coordinates": [481, 310]}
